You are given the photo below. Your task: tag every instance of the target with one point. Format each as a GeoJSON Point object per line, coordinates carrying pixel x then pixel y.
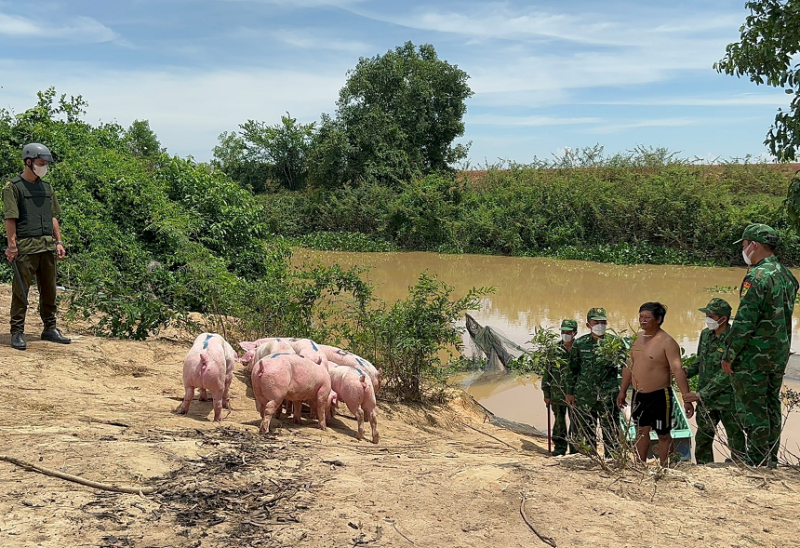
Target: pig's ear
{"type": "Point", "coordinates": [247, 345]}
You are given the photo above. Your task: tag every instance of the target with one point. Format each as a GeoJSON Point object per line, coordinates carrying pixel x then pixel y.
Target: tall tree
{"type": "Point", "coordinates": [401, 112]}
{"type": "Point", "coordinates": [770, 39]}
{"type": "Point", "coordinates": [260, 152]}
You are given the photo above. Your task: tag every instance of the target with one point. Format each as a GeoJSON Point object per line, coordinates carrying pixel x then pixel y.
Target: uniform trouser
{"type": "Point", "coordinates": [707, 420]}
{"type": "Point", "coordinates": [758, 410]}
{"type": "Point", "coordinates": [42, 266]}
{"type": "Point", "coordinates": [584, 425]}
{"type": "Point", "coordinates": [560, 444]}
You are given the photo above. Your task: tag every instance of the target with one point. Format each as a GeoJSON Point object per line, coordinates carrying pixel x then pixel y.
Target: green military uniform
{"type": "Point", "coordinates": [758, 349]}
{"type": "Point", "coordinates": [714, 387]}
{"type": "Point", "coordinates": [594, 381]}
{"type": "Point", "coordinates": [33, 206]}
{"type": "Point", "coordinates": [555, 389]}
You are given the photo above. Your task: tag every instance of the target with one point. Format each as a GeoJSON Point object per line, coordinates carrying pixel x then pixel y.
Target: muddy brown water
{"type": "Point", "coordinates": [533, 292]}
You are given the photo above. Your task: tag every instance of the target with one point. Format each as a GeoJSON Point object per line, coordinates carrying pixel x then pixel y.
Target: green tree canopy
{"type": "Point", "coordinates": [769, 41]}
{"type": "Point", "coordinates": [260, 152]}
{"type": "Point", "coordinates": [401, 112]}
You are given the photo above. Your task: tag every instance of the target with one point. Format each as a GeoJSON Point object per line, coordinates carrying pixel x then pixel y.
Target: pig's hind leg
{"type": "Point", "coordinates": [359, 415]}
{"type": "Point", "coordinates": [267, 413]}
{"type": "Point", "coordinates": [187, 400]}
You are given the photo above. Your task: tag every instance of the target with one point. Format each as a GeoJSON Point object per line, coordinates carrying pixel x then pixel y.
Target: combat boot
{"type": "Point", "coordinates": [18, 341]}
{"type": "Point", "coordinates": [55, 335]}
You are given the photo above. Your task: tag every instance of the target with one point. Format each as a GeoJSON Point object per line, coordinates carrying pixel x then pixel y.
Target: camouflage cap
{"type": "Point", "coordinates": [596, 314]}
{"type": "Point", "coordinates": [760, 233]}
{"type": "Point", "coordinates": [717, 306]}
{"type": "Point", "coordinates": [569, 325]}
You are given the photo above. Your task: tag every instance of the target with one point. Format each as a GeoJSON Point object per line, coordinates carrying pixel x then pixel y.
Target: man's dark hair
{"type": "Point", "coordinates": [658, 310]}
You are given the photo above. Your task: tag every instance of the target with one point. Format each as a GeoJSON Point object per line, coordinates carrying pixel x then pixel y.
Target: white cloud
{"type": "Point", "coordinates": [741, 99]}
{"type": "Point", "coordinates": [647, 123]}
{"type": "Point", "coordinates": [526, 121]}
{"type": "Point", "coordinates": [308, 39]}
{"type": "Point", "coordinates": [186, 109]}
{"type": "Point", "coordinates": [301, 3]}
{"type": "Point", "coordinates": [77, 29]}
{"type": "Point", "coordinates": [497, 21]}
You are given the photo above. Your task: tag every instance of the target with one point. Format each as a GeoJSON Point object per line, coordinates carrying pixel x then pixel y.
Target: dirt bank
{"type": "Point", "coordinates": [104, 410]}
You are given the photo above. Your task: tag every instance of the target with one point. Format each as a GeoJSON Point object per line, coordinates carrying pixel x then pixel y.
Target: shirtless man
{"type": "Point", "coordinates": [654, 354]}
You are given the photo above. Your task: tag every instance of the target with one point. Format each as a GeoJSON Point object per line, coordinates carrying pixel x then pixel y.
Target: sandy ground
{"type": "Point", "coordinates": [104, 410]}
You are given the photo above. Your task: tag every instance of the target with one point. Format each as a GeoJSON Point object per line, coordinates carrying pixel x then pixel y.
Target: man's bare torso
{"type": "Point", "coordinates": [650, 367]}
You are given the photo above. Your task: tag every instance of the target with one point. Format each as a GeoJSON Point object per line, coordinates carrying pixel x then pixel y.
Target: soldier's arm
{"type": "Point", "coordinates": [718, 383]}
{"type": "Point", "coordinates": [694, 368]}
{"type": "Point", "coordinates": [57, 234]}
{"type": "Point", "coordinates": [744, 324]}
{"type": "Point", "coordinates": [11, 214]}
{"type": "Point", "coordinates": [573, 370]}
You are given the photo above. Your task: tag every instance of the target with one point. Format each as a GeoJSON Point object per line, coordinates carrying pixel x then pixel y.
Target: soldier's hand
{"type": "Point", "coordinates": [547, 401]}
{"type": "Point", "coordinates": [11, 254]}
{"type": "Point", "coordinates": [689, 410]}
{"type": "Point", "coordinates": [570, 400]}
{"type": "Point", "coordinates": [61, 252]}
{"type": "Point", "coordinates": [726, 366]}
{"type": "Point", "coordinates": [622, 400]}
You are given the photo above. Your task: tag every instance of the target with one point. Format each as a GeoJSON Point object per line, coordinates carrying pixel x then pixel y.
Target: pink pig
{"type": "Point", "coordinates": [291, 377]}
{"type": "Point", "coordinates": [343, 357]}
{"type": "Point", "coordinates": [256, 350]}
{"type": "Point", "coordinates": [354, 387]}
{"type": "Point", "coordinates": [309, 349]}
{"type": "Point", "coordinates": [208, 366]}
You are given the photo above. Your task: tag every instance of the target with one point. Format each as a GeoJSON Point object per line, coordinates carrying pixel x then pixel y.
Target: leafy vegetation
{"type": "Point", "coordinates": [409, 335]}
{"type": "Point", "coordinates": [151, 238]}
{"type": "Point", "coordinates": [766, 53]}
{"type": "Point", "coordinates": [646, 206]}
{"type": "Point", "coordinates": [397, 117]}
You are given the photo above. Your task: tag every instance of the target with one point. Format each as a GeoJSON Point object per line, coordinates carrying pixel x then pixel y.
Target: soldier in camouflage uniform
{"type": "Point", "coordinates": [594, 384]}
{"type": "Point", "coordinates": [714, 386]}
{"type": "Point", "coordinates": [555, 389]}
{"type": "Point", "coordinates": [34, 243]}
{"type": "Point", "coordinates": [758, 345]}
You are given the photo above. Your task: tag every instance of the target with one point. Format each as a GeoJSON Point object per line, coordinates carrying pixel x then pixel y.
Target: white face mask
{"type": "Point", "coordinates": [566, 337]}
{"type": "Point", "coordinates": [599, 329]}
{"type": "Point", "coordinates": [712, 324]}
{"type": "Point", "coordinates": [40, 171]}
{"type": "Point", "coordinates": [746, 258]}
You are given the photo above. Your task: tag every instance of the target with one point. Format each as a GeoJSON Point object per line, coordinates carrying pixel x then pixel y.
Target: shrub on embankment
{"type": "Point", "coordinates": [151, 237]}
{"type": "Point", "coordinates": [668, 212]}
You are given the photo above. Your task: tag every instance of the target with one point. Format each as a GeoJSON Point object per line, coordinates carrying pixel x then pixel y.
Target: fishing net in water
{"type": "Point", "coordinates": [498, 349]}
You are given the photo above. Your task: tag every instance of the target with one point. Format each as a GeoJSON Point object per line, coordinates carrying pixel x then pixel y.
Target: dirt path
{"type": "Point", "coordinates": [104, 410]}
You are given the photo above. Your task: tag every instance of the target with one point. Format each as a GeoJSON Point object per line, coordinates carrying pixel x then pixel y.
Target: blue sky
{"type": "Point", "coordinates": [546, 75]}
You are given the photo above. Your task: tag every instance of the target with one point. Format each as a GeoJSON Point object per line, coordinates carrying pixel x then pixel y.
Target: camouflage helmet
{"type": "Point", "coordinates": [569, 325]}
{"type": "Point", "coordinates": [36, 150]}
{"type": "Point", "coordinates": [761, 233]}
{"type": "Point", "coordinates": [717, 306]}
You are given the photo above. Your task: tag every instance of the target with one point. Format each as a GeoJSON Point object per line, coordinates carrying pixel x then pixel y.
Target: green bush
{"type": "Point", "coordinates": [406, 339]}
{"type": "Point", "coordinates": [645, 207]}
{"type": "Point", "coordinates": [151, 237]}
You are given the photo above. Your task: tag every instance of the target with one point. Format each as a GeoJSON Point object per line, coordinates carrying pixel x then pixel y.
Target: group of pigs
{"type": "Point", "coordinates": [284, 372]}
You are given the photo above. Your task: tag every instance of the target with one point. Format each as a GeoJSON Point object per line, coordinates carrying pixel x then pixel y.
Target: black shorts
{"type": "Point", "coordinates": [653, 409]}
